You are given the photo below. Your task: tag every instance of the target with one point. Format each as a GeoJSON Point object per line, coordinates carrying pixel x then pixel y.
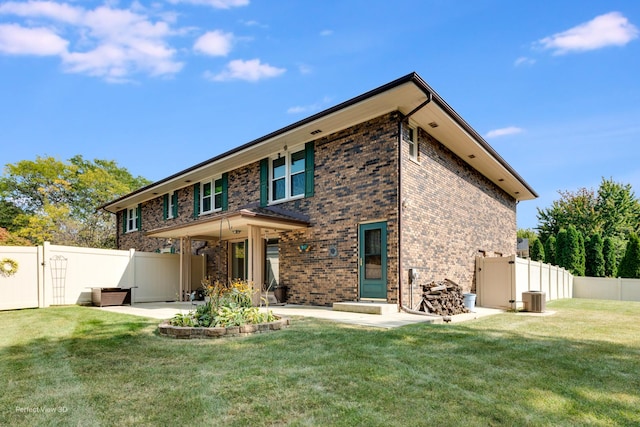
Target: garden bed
{"type": "Point", "coordinates": [188, 332]}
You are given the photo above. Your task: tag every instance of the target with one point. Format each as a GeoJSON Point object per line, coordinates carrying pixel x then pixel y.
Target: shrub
{"type": "Point", "coordinates": [594, 256]}
{"type": "Point", "coordinates": [609, 254]}
{"type": "Point", "coordinates": [537, 251]}
{"type": "Point", "coordinates": [550, 251]}
{"type": "Point", "coordinates": [630, 264]}
{"type": "Point", "coordinates": [226, 305]}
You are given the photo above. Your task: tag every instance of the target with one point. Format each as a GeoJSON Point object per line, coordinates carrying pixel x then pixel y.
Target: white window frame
{"type": "Point", "coordinates": [212, 196]}
{"type": "Point", "coordinates": [411, 137]}
{"type": "Point", "coordinates": [170, 205]}
{"type": "Point", "coordinates": [131, 219]}
{"type": "Point", "coordinates": [287, 175]}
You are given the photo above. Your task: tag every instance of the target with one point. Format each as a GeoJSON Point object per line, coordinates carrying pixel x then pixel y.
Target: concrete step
{"type": "Point", "coordinates": [366, 307]}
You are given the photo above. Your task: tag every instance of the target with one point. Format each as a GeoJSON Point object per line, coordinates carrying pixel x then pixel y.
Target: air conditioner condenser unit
{"type": "Point", "coordinates": [534, 301]}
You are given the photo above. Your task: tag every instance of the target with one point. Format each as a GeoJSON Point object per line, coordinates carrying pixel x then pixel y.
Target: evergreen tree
{"type": "Point", "coordinates": [582, 258]}
{"type": "Point", "coordinates": [570, 250]}
{"type": "Point", "coordinates": [630, 264]}
{"type": "Point", "coordinates": [537, 251]}
{"type": "Point", "coordinates": [562, 248]}
{"type": "Point", "coordinates": [550, 251]}
{"type": "Point", "coordinates": [609, 254]}
{"type": "Point", "coordinates": [594, 266]}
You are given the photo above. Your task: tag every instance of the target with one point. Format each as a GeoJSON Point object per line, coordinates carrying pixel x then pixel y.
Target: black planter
{"type": "Point", "coordinates": [280, 293]}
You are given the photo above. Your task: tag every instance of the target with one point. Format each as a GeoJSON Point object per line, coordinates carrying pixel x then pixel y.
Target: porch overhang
{"type": "Point", "coordinates": [232, 225]}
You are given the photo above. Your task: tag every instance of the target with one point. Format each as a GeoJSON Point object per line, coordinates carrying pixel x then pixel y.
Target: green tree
{"type": "Point", "coordinates": [537, 251]}
{"type": "Point", "coordinates": [10, 215]}
{"type": "Point", "coordinates": [574, 208]}
{"type": "Point", "coordinates": [609, 254]}
{"type": "Point", "coordinates": [630, 264]}
{"type": "Point", "coordinates": [550, 251]}
{"type": "Point", "coordinates": [58, 199]}
{"type": "Point", "coordinates": [594, 256]}
{"type": "Point", "coordinates": [570, 250]}
{"type": "Point", "coordinates": [613, 211]}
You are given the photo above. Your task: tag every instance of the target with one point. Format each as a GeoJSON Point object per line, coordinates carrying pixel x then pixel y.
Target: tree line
{"type": "Point", "coordinates": [590, 233]}
{"type": "Point", "coordinates": [47, 199]}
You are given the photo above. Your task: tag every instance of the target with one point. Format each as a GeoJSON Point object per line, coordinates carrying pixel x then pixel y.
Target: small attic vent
{"type": "Point", "coordinates": [315, 132]}
{"type": "Point", "coordinates": [472, 156]}
{"type": "Point", "coordinates": [433, 124]}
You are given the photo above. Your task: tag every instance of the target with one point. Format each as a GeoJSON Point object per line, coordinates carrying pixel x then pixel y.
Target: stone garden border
{"type": "Point", "coordinates": [186, 332]}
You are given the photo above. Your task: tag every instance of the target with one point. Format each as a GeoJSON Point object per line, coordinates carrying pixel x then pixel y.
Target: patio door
{"type": "Point", "coordinates": [373, 260]}
{"type": "Point", "coordinates": [238, 260]}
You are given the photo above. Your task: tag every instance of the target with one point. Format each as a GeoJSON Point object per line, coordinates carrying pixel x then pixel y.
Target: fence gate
{"type": "Point", "coordinates": [495, 281]}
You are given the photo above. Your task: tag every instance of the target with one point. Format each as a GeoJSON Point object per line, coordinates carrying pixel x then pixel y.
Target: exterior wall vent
{"type": "Point", "coordinates": [534, 301]}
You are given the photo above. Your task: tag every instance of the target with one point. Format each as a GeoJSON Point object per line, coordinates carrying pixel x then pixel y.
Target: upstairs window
{"type": "Point", "coordinates": [288, 176]}
{"type": "Point", "coordinates": [211, 196]}
{"type": "Point", "coordinates": [131, 219]}
{"type": "Point", "coordinates": [170, 205]}
{"type": "Point", "coordinates": [410, 135]}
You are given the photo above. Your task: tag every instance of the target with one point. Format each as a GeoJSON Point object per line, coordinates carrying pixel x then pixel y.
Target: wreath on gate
{"type": "Point", "coordinates": [8, 267]}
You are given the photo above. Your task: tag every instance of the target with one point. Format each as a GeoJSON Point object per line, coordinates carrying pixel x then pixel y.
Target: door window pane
{"type": "Point", "coordinates": [238, 261]}
{"type": "Point", "coordinates": [373, 254]}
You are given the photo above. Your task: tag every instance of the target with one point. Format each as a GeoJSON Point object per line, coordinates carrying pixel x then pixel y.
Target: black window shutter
{"type": "Point", "coordinates": [264, 182]}
{"type": "Point", "coordinates": [225, 191]}
{"type": "Point", "coordinates": [196, 200]}
{"type": "Point", "coordinates": [309, 158]}
{"type": "Point", "coordinates": [139, 217]}
{"type": "Point", "coordinates": [165, 207]}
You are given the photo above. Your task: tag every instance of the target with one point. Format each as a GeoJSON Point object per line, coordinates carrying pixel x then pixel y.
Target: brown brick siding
{"type": "Point", "coordinates": [355, 182]}
{"type": "Point", "coordinates": [451, 213]}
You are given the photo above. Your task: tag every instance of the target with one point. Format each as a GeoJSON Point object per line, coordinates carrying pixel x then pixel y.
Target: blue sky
{"type": "Point", "coordinates": [159, 86]}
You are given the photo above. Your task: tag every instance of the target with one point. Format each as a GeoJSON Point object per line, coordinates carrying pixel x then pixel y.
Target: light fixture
{"type": "Point", "coordinates": [472, 156]}
{"type": "Point", "coordinates": [235, 231]}
{"type": "Point", "coordinates": [501, 180]}
{"type": "Point", "coordinates": [433, 124]}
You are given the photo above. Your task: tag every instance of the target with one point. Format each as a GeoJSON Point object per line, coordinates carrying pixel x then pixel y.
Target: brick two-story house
{"type": "Point", "coordinates": [339, 206]}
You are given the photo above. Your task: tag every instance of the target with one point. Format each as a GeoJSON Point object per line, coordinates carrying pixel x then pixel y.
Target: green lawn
{"type": "Point", "coordinates": [83, 366]}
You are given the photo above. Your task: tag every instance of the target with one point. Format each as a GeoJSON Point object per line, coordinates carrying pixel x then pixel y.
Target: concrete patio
{"type": "Point", "coordinates": [386, 320]}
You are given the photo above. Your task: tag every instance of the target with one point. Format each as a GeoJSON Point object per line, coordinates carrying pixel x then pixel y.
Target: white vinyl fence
{"type": "Point", "coordinates": [606, 288]}
{"type": "Point", "coordinates": [500, 281]}
{"type": "Point", "coordinates": [59, 275]}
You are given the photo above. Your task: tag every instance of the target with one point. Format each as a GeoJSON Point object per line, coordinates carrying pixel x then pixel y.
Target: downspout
{"type": "Point", "coordinates": [404, 119]}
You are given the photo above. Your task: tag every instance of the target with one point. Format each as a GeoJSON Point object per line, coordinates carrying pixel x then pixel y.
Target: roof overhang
{"type": "Point", "coordinates": [229, 226]}
{"type": "Point", "coordinates": [403, 95]}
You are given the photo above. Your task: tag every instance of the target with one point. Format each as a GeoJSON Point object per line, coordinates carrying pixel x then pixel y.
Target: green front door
{"type": "Point", "coordinates": [373, 260]}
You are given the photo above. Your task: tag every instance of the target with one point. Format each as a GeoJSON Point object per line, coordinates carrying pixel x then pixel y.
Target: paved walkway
{"type": "Point", "coordinates": [166, 310]}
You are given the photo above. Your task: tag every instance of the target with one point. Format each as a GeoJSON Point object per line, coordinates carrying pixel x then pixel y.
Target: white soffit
{"type": "Point", "coordinates": [404, 97]}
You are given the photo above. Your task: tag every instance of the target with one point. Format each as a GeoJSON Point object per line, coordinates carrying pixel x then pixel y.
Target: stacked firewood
{"type": "Point", "coordinates": [442, 298]}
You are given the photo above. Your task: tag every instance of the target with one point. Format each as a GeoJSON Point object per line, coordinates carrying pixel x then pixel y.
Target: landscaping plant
{"type": "Point", "coordinates": [230, 305]}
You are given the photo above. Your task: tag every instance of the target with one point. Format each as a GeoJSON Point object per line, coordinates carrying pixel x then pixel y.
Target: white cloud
{"type": "Point", "coordinates": [251, 70]}
{"type": "Point", "coordinates": [17, 40]}
{"type": "Point", "coordinates": [309, 108]}
{"type": "Point", "coordinates": [214, 43]}
{"type": "Point", "coordinates": [511, 130]}
{"type": "Point", "coordinates": [218, 4]}
{"type": "Point", "coordinates": [325, 33]}
{"type": "Point", "coordinates": [44, 9]}
{"type": "Point", "coordinates": [110, 43]}
{"type": "Point", "coordinates": [610, 29]}
{"type": "Point", "coordinates": [523, 60]}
